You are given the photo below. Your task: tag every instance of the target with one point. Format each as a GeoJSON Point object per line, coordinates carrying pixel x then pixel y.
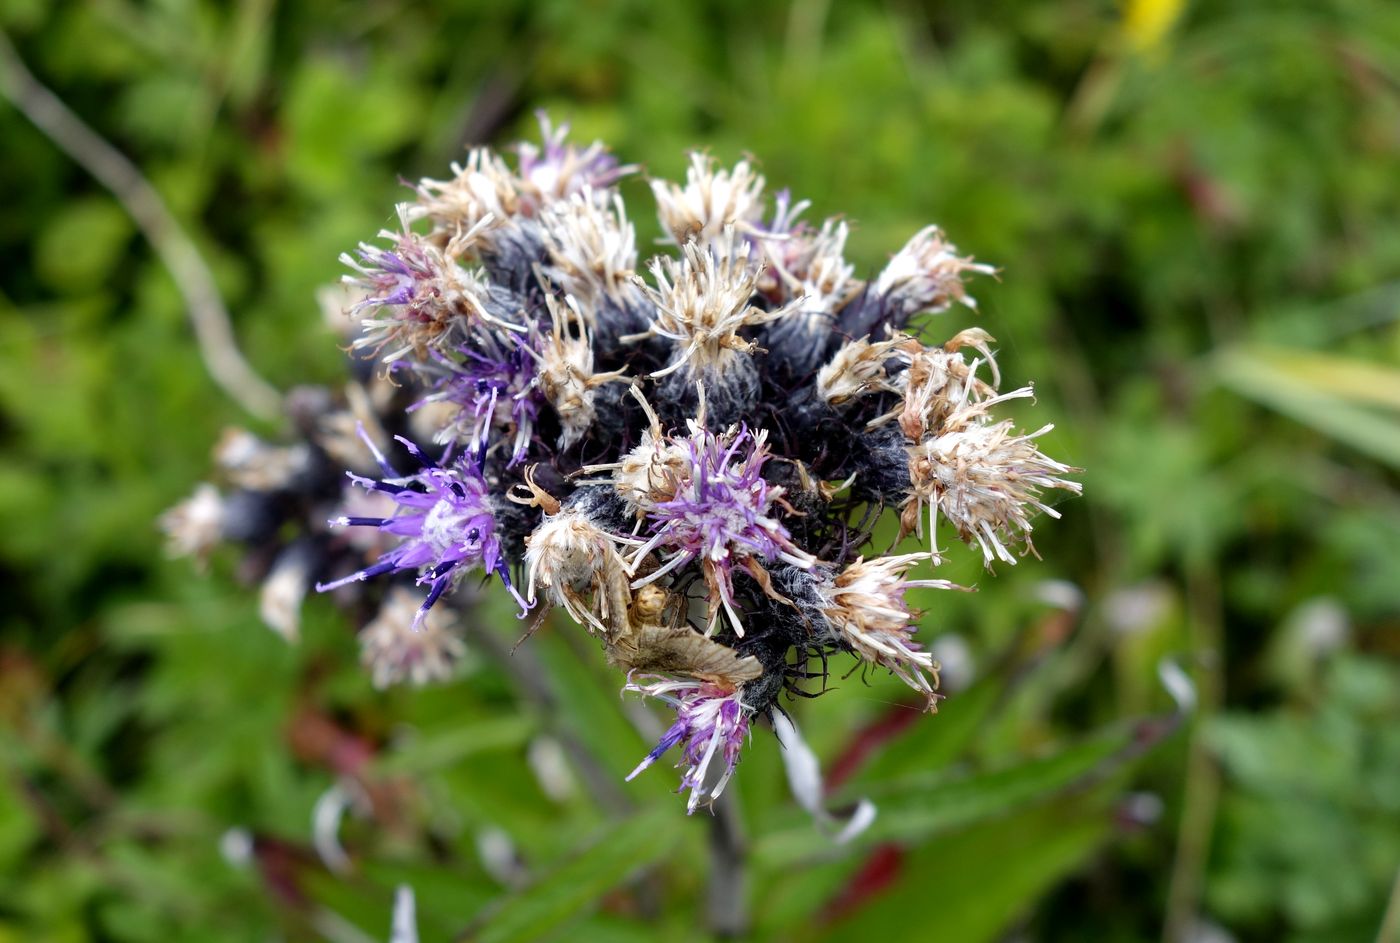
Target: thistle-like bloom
{"type": "Point", "coordinates": [557, 170]}
{"type": "Point", "coordinates": [282, 592]}
{"type": "Point", "coordinates": [399, 645]}
{"type": "Point", "coordinates": [481, 196]}
{"type": "Point", "coordinates": [704, 301]}
{"type": "Point", "coordinates": [721, 516]}
{"type": "Point", "coordinates": [865, 605]}
{"type": "Point", "coordinates": [926, 275]}
{"type": "Point", "coordinates": [710, 201]}
{"type": "Point", "coordinates": [711, 725]}
{"type": "Point", "coordinates": [485, 198]}
{"type": "Point", "coordinates": [862, 367]}
{"type": "Point", "coordinates": [194, 527]}
{"type": "Point", "coordinates": [938, 382]}
{"type": "Point", "coordinates": [986, 481]}
{"type": "Point", "coordinates": [503, 310]}
{"type": "Point", "coordinates": [421, 298]}
{"type": "Point", "coordinates": [650, 472]}
{"type": "Point", "coordinates": [566, 376]}
{"type": "Point", "coordinates": [495, 387]}
{"type": "Point", "coordinates": [807, 264]}
{"type": "Point", "coordinates": [571, 558]}
{"type": "Point", "coordinates": [592, 250]}
{"type": "Point", "coordinates": [448, 527]}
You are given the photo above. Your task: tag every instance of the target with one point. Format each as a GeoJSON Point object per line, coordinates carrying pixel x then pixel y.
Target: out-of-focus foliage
{"type": "Point", "coordinates": [1193, 206]}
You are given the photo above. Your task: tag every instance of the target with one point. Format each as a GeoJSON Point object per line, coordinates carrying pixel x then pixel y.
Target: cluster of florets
{"type": "Point", "coordinates": [689, 465]}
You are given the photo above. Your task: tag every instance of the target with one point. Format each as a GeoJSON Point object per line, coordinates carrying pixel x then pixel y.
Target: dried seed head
{"type": "Point", "coordinates": [577, 565]}
{"type": "Point", "coordinates": [566, 377]}
{"type": "Point", "coordinates": [710, 201]}
{"type": "Point", "coordinates": [592, 251]}
{"type": "Point", "coordinates": [482, 195]}
{"type": "Point", "coordinates": [939, 381]}
{"type": "Point", "coordinates": [650, 472]}
{"type": "Point", "coordinates": [862, 367]}
{"type": "Point", "coordinates": [802, 263]}
{"type": "Point", "coordinates": [195, 526]}
{"type": "Point", "coordinates": [986, 480]}
{"type": "Point", "coordinates": [249, 462]}
{"type": "Point", "coordinates": [926, 275]}
{"type": "Point", "coordinates": [397, 646]}
{"type": "Point", "coordinates": [282, 592]}
{"type": "Point", "coordinates": [704, 301]}
{"type": "Point", "coordinates": [866, 607]}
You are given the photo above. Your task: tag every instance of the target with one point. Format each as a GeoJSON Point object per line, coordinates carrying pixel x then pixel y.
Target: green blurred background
{"type": "Point", "coordinates": [1194, 208]}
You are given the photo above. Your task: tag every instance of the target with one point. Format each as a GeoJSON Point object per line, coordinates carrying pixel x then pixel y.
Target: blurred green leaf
{"type": "Point", "coordinates": [916, 808]}
{"type": "Point", "coordinates": [620, 851]}
{"type": "Point", "coordinates": [82, 244]}
{"type": "Point", "coordinates": [1322, 392]}
{"type": "Point", "coordinates": [975, 882]}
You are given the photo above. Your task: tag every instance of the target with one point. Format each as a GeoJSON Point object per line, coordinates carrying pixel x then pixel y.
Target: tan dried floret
{"type": "Point", "coordinates": [195, 526]}
{"type": "Point", "coordinates": [483, 193]}
{"type": "Point", "coordinates": [939, 381]}
{"type": "Point", "coordinates": [395, 650]}
{"type": "Point", "coordinates": [986, 480]}
{"type": "Point", "coordinates": [703, 302]}
{"type": "Point", "coordinates": [860, 367]}
{"type": "Point", "coordinates": [566, 377]}
{"type": "Point", "coordinates": [577, 565]}
{"type": "Point", "coordinates": [652, 470]}
{"type": "Point", "coordinates": [927, 275]}
{"type": "Point", "coordinates": [249, 462]}
{"type": "Point", "coordinates": [592, 249]}
{"type": "Point", "coordinates": [710, 201]}
{"type": "Point", "coordinates": [866, 605]}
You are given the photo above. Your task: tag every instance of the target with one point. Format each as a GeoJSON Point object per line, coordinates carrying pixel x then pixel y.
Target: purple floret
{"type": "Point", "coordinates": [720, 516]}
{"type": "Point", "coordinates": [560, 169]}
{"type": "Point", "coordinates": [390, 278]}
{"type": "Point", "coordinates": [448, 527]}
{"type": "Point", "coordinates": [711, 722]}
{"type": "Point", "coordinates": [495, 387]}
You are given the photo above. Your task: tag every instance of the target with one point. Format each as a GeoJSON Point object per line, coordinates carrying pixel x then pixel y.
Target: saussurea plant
{"type": "Point", "coordinates": [688, 458]}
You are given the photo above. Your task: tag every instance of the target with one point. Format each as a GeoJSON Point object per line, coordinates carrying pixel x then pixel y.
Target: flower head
{"type": "Point", "coordinates": [986, 480]}
{"type": "Point", "coordinates": [504, 308]}
{"type": "Point", "coordinates": [446, 521]}
{"type": "Point", "coordinates": [397, 646]}
{"type": "Point", "coordinates": [420, 297]}
{"type": "Point", "coordinates": [194, 527]}
{"type": "Point", "coordinates": [710, 201]}
{"type": "Point", "coordinates": [926, 275]}
{"type": "Point", "coordinates": [939, 382]}
{"type": "Point", "coordinates": [711, 725]}
{"type": "Point", "coordinates": [704, 301]}
{"type": "Point", "coordinates": [566, 377]}
{"type": "Point", "coordinates": [494, 386]}
{"type": "Point", "coordinates": [862, 367]}
{"type": "Point", "coordinates": [592, 250]}
{"type": "Point", "coordinates": [557, 170]}
{"type": "Point", "coordinates": [865, 605]}
{"type": "Point", "coordinates": [807, 263]}
{"type": "Point", "coordinates": [571, 558]}
{"type": "Point", "coordinates": [721, 515]}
